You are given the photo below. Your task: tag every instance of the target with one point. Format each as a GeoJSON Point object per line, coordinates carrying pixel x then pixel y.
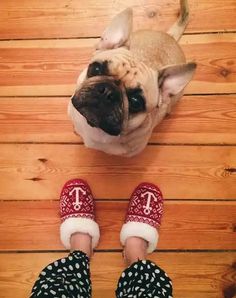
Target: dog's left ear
{"type": "Point", "coordinates": [118, 32]}
{"type": "Point", "coordinates": [173, 79]}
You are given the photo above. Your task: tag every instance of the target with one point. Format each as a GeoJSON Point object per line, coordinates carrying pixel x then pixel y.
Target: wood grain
{"type": "Point", "coordinates": [44, 45]}
{"type": "Point", "coordinates": [194, 120]}
{"type": "Point", "coordinates": [185, 225]}
{"type": "Point", "coordinates": [194, 275]}
{"type": "Point", "coordinates": [38, 171]}
{"type": "Point", "coordinates": [40, 19]}
{"type": "Point", "coordinates": [51, 67]}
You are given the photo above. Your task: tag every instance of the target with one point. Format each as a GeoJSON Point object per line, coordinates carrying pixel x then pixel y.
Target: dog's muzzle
{"type": "Point", "coordinates": [101, 103]}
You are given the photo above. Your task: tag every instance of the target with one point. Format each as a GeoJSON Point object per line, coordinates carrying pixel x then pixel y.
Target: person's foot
{"type": "Point", "coordinates": [82, 242]}
{"type": "Point", "coordinates": [78, 230]}
{"type": "Point", "coordinates": [135, 249]}
{"type": "Point", "coordinates": [139, 233]}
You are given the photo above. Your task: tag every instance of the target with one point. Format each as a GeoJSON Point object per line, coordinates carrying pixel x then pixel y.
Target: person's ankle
{"type": "Point", "coordinates": [135, 249]}
{"type": "Point", "coordinates": [82, 242]}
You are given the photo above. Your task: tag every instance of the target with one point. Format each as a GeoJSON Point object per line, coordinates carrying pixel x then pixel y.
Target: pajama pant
{"type": "Point", "coordinates": [69, 277]}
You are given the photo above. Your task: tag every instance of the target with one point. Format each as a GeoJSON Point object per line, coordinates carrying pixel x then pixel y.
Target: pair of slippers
{"type": "Point", "coordinates": [77, 209]}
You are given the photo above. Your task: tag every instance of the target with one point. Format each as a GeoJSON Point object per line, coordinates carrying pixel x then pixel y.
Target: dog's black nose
{"type": "Point", "coordinates": [108, 92]}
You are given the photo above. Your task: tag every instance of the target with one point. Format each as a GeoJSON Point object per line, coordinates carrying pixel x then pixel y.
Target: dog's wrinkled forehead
{"type": "Point", "coordinates": [122, 64]}
{"type": "Point", "coordinates": [124, 67]}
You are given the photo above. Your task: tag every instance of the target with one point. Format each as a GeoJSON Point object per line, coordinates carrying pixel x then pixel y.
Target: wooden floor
{"type": "Point", "coordinates": [191, 155]}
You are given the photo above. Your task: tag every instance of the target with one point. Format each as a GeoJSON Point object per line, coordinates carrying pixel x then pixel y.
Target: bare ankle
{"type": "Point", "coordinates": [82, 242]}
{"type": "Point", "coordinates": [135, 249]}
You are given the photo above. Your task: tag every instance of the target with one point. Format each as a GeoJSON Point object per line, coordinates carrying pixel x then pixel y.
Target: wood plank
{"type": "Point", "coordinates": [185, 225]}
{"type": "Point", "coordinates": [40, 19]}
{"type": "Point", "coordinates": [37, 171]}
{"type": "Point", "coordinates": [194, 275]}
{"type": "Point", "coordinates": [195, 119]}
{"type": "Point", "coordinates": [51, 67]}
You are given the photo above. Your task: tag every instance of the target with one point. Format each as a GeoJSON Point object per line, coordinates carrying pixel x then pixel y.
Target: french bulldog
{"type": "Point", "coordinates": [131, 83]}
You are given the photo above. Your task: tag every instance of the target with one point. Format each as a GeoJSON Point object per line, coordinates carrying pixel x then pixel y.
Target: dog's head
{"type": "Point", "coordinates": [116, 92]}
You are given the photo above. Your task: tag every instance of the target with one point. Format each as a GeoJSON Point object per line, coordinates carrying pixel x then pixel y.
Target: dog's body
{"type": "Point", "coordinates": [132, 82]}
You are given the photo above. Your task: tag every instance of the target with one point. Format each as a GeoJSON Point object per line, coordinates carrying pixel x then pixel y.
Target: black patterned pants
{"type": "Point", "coordinates": [69, 277]}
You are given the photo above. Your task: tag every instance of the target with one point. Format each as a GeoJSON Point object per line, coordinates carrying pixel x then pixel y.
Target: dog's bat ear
{"type": "Point", "coordinates": [118, 32]}
{"type": "Point", "coordinates": [173, 79]}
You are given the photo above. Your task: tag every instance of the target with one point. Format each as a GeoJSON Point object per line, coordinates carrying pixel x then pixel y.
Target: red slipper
{"type": "Point", "coordinates": [77, 212]}
{"type": "Point", "coordinates": [76, 200]}
{"type": "Point", "coordinates": [144, 215]}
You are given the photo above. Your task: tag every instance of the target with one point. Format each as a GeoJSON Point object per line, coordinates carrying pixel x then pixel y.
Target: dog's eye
{"type": "Point", "coordinates": [136, 103]}
{"type": "Point", "coordinates": [97, 69]}
{"type": "Point", "coordinates": [136, 100]}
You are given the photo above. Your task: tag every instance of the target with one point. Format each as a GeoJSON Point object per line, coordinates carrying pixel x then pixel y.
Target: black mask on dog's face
{"type": "Point", "coordinates": [100, 100]}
